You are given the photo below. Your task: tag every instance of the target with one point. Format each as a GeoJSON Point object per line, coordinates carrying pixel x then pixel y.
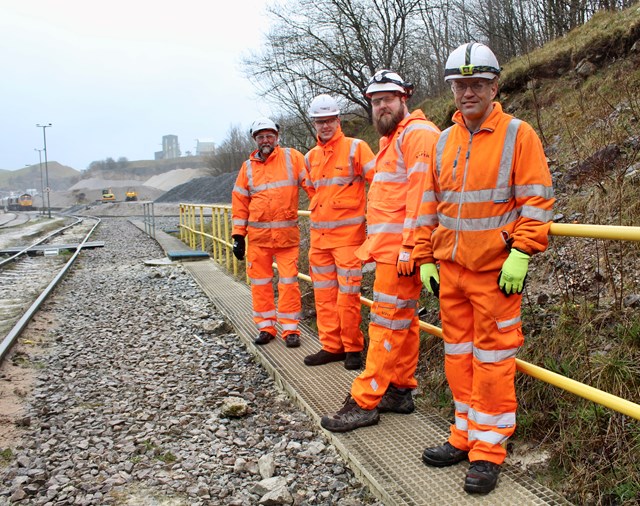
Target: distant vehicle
{"type": "Point", "coordinates": [131, 195]}
{"type": "Point", "coordinates": [23, 202]}
{"type": "Point", "coordinates": [108, 196]}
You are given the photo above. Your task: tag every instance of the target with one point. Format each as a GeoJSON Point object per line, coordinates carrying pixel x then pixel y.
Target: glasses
{"type": "Point", "coordinates": [322, 122]}
{"type": "Point", "coordinates": [265, 137]}
{"type": "Point", "coordinates": [387, 100]}
{"type": "Point", "coordinates": [460, 87]}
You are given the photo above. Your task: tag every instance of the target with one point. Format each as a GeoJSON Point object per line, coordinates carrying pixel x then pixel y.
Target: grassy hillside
{"type": "Point", "coordinates": [60, 177]}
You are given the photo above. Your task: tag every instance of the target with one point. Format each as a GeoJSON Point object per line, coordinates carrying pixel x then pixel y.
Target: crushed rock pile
{"type": "Point", "coordinates": [208, 190]}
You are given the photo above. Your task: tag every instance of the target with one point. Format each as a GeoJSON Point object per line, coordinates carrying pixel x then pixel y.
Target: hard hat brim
{"type": "Point", "coordinates": [379, 87]}
{"type": "Point", "coordinates": [482, 75]}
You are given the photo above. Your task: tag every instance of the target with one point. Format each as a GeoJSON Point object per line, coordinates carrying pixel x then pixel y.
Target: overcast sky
{"type": "Point", "coordinates": [114, 77]}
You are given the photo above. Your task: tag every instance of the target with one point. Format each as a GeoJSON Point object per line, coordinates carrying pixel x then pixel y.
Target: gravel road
{"type": "Point", "coordinates": [132, 371]}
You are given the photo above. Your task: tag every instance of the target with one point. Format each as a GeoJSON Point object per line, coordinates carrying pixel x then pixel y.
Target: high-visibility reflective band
{"type": "Point", "coordinates": [273, 224]}
{"type": "Point", "coordinates": [428, 196]}
{"type": "Point", "coordinates": [419, 167]}
{"type": "Point", "coordinates": [393, 299]}
{"type": "Point", "coordinates": [534, 190]}
{"type": "Point", "coordinates": [266, 323]}
{"type": "Point", "coordinates": [458, 348]}
{"type": "Point", "coordinates": [335, 181]}
{"type": "Point", "coordinates": [461, 423]}
{"type": "Point", "coordinates": [260, 281]}
{"type": "Point", "coordinates": [352, 155]}
{"type": "Point", "coordinates": [390, 324]}
{"type": "Point", "coordinates": [427, 220]}
{"type": "Point", "coordinates": [274, 184]}
{"type": "Point", "coordinates": [442, 141]}
{"type": "Point", "coordinates": [290, 326]}
{"type": "Point", "coordinates": [374, 384]}
{"type": "Point", "coordinates": [241, 191]}
{"type": "Point", "coordinates": [323, 269]}
{"type": "Point", "coordinates": [493, 356]}
{"type": "Point", "coordinates": [350, 289]}
{"type": "Point", "coordinates": [265, 314]}
{"type": "Point", "coordinates": [240, 223]}
{"type": "Point", "coordinates": [390, 177]}
{"type": "Point", "coordinates": [387, 346]}
{"type": "Point", "coordinates": [476, 196]}
{"type": "Point", "coordinates": [506, 158]}
{"type": "Point", "coordinates": [494, 438]}
{"type": "Point", "coordinates": [288, 281]}
{"type": "Point", "coordinates": [332, 283]}
{"type": "Point", "coordinates": [461, 407]}
{"type": "Point", "coordinates": [535, 213]}
{"type": "Point", "coordinates": [289, 316]}
{"type": "Point", "coordinates": [369, 166]}
{"type": "Point", "coordinates": [502, 419]}
{"type": "Point", "coordinates": [290, 181]}
{"type": "Point", "coordinates": [356, 220]}
{"type": "Point", "coordinates": [478, 224]}
{"type": "Point", "coordinates": [385, 228]}
{"type": "Point", "coordinates": [347, 273]}
{"type": "Point", "coordinates": [507, 323]}
{"type": "Point", "coordinates": [410, 223]}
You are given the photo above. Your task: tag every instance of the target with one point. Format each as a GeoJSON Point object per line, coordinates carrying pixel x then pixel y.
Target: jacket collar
{"type": "Point", "coordinates": [256, 156]}
{"type": "Point", "coordinates": [331, 142]}
{"type": "Point", "coordinates": [491, 123]}
{"type": "Point", "coordinates": [416, 115]}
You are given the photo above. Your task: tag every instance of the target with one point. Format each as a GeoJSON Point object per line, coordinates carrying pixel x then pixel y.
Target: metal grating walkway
{"type": "Point", "coordinates": [386, 456]}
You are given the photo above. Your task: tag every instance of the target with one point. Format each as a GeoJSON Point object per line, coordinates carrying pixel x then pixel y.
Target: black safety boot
{"type": "Point", "coordinates": [397, 400]}
{"type": "Point", "coordinates": [350, 417]}
{"type": "Point", "coordinates": [263, 338]}
{"type": "Point", "coordinates": [323, 357]}
{"type": "Point", "coordinates": [443, 456]}
{"type": "Point", "coordinates": [353, 360]}
{"type": "Point", "coordinates": [292, 340]}
{"type": "Point", "coordinates": [482, 477]}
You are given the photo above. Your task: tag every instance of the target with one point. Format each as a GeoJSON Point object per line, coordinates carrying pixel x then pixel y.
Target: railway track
{"type": "Point", "coordinates": [27, 279]}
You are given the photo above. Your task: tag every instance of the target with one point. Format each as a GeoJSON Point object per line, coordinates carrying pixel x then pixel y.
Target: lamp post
{"type": "Point", "coordinates": [41, 179]}
{"type": "Point", "coordinates": [46, 166]}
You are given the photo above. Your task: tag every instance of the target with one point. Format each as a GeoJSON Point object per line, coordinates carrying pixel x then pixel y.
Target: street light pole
{"type": "Point", "coordinates": [46, 166]}
{"type": "Point", "coordinates": [41, 179]}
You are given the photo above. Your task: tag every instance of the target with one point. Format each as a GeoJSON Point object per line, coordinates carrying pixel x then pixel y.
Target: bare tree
{"type": "Point", "coordinates": [234, 150]}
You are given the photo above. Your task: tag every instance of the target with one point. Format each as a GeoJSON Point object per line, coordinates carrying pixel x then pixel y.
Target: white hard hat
{"type": "Point", "coordinates": [323, 105]}
{"type": "Point", "coordinates": [263, 124]}
{"type": "Point", "coordinates": [386, 80]}
{"type": "Point", "coordinates": [471, 60]}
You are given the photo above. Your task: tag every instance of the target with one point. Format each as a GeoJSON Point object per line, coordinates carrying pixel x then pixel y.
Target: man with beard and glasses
{"type": "Point", "coordinates": [265, 208]}
{"type": "Point", "coordinates": [392, 208]}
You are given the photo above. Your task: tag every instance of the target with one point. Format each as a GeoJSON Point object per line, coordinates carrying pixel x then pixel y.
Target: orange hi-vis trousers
{"type": "Point", "coordinates": [482, 334]}
{"type": "Point", "coordinates": [394, 336]}
{"type": "Point", "coordinates": [260, 271]}
{"type": "Point", "coordinates": [336, 274]}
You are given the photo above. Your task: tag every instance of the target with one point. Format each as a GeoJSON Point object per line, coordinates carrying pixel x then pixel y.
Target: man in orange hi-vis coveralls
{"type": "Point", "coordinates": [265, 207]}
{"type": "Point", "coordinates": [337, 168]}
{"type": "Point", "coordinates": [393, 200]}
{"type": "Point", "coordinates": [485, 210]}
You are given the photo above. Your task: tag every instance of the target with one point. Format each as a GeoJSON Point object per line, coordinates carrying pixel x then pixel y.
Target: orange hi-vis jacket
{"type": "Point", "coordinates": [394, 195]}
{"type": "Point", "coordinates": [337, 170]}
{"type": "Point", "coordinates": [488, 191]}
{"type": "Point", "coordinates": [265, 198]}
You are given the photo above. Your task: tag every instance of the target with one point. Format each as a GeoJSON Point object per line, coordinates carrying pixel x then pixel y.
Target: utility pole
{"type": "Point", "coordinates": [41, 178]}
{"type": "Point", "coordinates": [46, 165]}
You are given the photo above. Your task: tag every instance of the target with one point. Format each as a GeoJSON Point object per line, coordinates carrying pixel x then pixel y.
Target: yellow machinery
{"type": "Point", "coordinates": [131, 195]}
{"type": "Point", "coordinates": [108, 196]}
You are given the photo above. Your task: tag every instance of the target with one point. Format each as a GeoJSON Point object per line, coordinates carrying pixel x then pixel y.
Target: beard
{"type": "Point", "coordinates": [266, 150]}
{"type": "Point", "coordinates": [386, 123]}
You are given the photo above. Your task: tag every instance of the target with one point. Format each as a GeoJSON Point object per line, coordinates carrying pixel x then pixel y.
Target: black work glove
{"type": "Point", "coordinates": [238, 246]}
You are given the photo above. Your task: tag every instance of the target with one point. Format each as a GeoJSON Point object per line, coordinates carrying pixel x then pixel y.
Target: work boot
{"type": "Point", "coordinates": [482, 477]}
{"type": "Point", "coordinates": [263, 338]}
{"type": "Point", "coordinates": [323, 357]}
{"type": "Point", "coordinates": [350, 417]}
{"type": "Point", "coordinates": [292, 340]}
{"type": "Point", "coordinates": [353, 360]}
{"type": "Point", "coordinates": [443, 456]}
{"type": "Point", "coordinates": [397, 400]}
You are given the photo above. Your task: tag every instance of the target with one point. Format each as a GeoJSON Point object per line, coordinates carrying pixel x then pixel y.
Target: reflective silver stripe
{"type": "Point", "coordinates": [442, 141]}
{"type": "Point", "coordinates": [500, 420]}
{"type": "Point", "coordinates": [475, 196]}
{"type": "Point", "coordinates": [273, 224]}
{"type": "Point", "coordinates": [392, 299]}
{"type": "Point", "coordinates": [266, 323]}
{"type": "Point", "coordinates": [429, 196]}
{"type": "Point", "coordinates": [507, 323]}
{"type": "Point", "coordinates": [478, 224]}
{"type": "Point", "coordinates": [290, 326]}
{"type": "Point", "coordinates": [374, 384]}
{"type": "Point", "coordinates": [338, 223]}
{"type": "Point", "coordinates": [506, 158]}
{"type": "Point", "coordinates": [260, 281]}
{"type": "Point", "coordinates": [534, 190]}
{"type": "Point", "coordinates": [390, 324]}
{"type": "Point", "coordinates": [350, 288]}
{"type": "Point", "coordinates": [461, 407]}
{"type": "Point", "coordinates": [352, 155]}
{"type": "Point", "coordinates": [427, 220]}
{"type": "Point", "coordinates": [267, 186]}
{"type": "Point", "coordinates": [388, 228]}
{"type": "Point", "coordinates": [390, 177]}
{"type": "Point", "coordinates": [493, 356]}
{"type": "Point", "coordinates": [239, 222]}
{"type": "Point", "coordinates": [387, 346]}
{"type": "Point", "coordinates": [290, 316]}
{"type": "Point", "coordinates": [458, 349]}
{"type": "Point", "coordinates": [338, 181]}
{"type": "Point", "coordinates": [461, 423]}
{"type": "Point", "coordinates": [287, 158]}
{"type": "Point", "coordinates": [488, 436]}
{"type": "Point", "coordinates": [323, 269]}
{"type": "Point", "coordinates": [288, 281]}
{"type": "Point", "coordinates": [250, 176]}
{"type": "Point", "coordinates": [349, 272]}
{"type": "Point", "coordinates": [419, 167]}
{"type": "Point", "coordinates": [401, 166]}
{"type": "Point", "coordinates": [241, 191]}
{"type": "Point", "coordinates": [369, 166]}
{"type": "Point", "coordinates": [332, 283]}
{"type": "Point", "coordinates": [290, 181]}
{"type": "Point", "coordinates": [410, 223]}
{"type": "Point", "coordinates": [535, 213]}
{"type": "Point", "coordinates": [265, 314]}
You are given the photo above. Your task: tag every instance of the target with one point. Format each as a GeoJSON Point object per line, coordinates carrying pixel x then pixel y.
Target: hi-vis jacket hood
{"type": "Point", "coordinates": [337, 170]}
{"type": "Point", "coordinates": [394, 195]}
{"type": "Point", "coordinates": [487, 191]}
{"type": "Point", "coordinates": [265, 198]}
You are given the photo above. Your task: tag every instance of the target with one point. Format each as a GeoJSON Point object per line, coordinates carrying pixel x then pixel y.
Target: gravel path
{"type": "Point", "coordinates": [130, 402]}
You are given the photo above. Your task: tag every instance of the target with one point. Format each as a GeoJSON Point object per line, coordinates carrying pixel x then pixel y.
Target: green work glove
{"type": "Point", "coordinates": [430, 278]}
{"type": "Point", "coordinates": [514, 272]}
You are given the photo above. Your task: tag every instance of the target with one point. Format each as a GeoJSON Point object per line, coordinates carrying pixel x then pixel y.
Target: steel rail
{"type": "Point", "coordinates": [17, 329]}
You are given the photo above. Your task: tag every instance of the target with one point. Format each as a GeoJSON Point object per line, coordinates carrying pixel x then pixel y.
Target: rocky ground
{"type": "Point", "coordinates": [130, 388]}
